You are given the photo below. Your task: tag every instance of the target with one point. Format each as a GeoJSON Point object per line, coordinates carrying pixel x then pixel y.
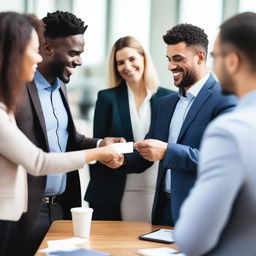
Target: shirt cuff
{"type": "Point", "coordinates": [98, 143]}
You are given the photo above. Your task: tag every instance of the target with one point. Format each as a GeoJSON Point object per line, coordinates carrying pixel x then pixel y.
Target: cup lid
{"type": "Point", "coordinates": [81, 209]}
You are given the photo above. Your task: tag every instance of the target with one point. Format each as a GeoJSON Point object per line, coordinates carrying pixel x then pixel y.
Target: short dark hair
{"type": "Point", "coordinates": [187, 33]}
{"type": "Point", "coordinates": [15, 36]}
{"type": "Point", "coordinates": [240, 32]}
{"type": "Point", "coordinates": [62, 24]}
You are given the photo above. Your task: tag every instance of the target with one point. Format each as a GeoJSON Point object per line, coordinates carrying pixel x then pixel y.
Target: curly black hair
{"type": "Point", "coordinates": [62, 24]}
{"type": "Point", "coordinates": [188, 33]}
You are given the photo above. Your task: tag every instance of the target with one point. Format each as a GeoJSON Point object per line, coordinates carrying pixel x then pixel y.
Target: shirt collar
{"type": "Point", "coordinates": [195, 89]}
{"type": "Point", "coordinates": [3, 106]}
{"type": "Point", "coordinates": [43, 84]}
{"type": "Point", "coordinates": [148, 96]}
{"type": "Point", "coordinates": [248, 98]}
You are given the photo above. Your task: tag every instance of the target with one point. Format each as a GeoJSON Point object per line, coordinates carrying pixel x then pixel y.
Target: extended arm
{"type": "Point", "coordinates": [134, 163]}
{"type": "Point", "coordinates": [83, 142]}
{"type": "Point", "coordinates": [181, 157]}
{"type": "Point", "coordinates": [17, 148]}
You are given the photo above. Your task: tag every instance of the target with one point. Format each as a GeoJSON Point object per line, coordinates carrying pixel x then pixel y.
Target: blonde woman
{"type": "Point", "coordinates": [125, 110]}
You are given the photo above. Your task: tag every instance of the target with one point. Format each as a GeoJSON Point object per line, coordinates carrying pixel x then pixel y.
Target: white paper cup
{"type": "Point", "coordinates": [81, 220]}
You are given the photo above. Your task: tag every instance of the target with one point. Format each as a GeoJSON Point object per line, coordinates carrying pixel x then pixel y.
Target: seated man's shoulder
{"type": "Point", "coordinates": [233, 122]}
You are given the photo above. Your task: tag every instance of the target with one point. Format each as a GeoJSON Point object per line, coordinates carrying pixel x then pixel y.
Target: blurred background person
{"type": "Point", "coordinates": [19, 46]}
{"type": "Point", "coordinates": [125, 110]}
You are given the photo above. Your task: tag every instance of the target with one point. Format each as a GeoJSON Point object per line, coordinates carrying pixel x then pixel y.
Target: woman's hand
{"type": "Point", "coordinates": [110, 157]}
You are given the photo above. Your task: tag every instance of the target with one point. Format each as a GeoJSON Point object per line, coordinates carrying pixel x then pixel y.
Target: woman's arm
{"type": "Point", "coordinates": [17, 148]}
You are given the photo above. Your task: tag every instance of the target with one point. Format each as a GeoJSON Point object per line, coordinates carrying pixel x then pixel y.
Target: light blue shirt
{"type": "Point", "coordinates": [179, 115]}
{"type": "Point", "coordinates": [218, 216]}
{"type": "Point", "coordinates": [56, 121]}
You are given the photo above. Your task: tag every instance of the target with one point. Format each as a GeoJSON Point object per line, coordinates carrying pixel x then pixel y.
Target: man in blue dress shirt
{"type": "Point", "coordinates": [45, 118]}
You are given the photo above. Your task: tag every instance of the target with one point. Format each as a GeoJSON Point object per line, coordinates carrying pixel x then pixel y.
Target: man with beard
{"type": "Point", "coordinates": [179, 122]}
{"type": "Point", "coordinates": [218, 217]}
{"type": "Point", "coordinates": [45, 118]}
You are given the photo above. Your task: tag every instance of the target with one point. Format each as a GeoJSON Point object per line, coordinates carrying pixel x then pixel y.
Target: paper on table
{"type": "Point", "coordinates": [123, 148]}
{"type": "Point", "coordinates": [161, 251]}
{"type": "Point", "coordinates": [63, 244]}
{"type": "Point", "coordinates": [78, 252]}
{"type": "Point", "coordinates": [67, 247]}
{"type": "Point", "coordinates": [55, 249]}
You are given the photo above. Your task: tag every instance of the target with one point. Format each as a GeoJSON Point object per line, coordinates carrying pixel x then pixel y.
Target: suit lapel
{"type": "Point", "coordinates": [153, 102]}
{"type": "Point", "coordinates": [32, 90]}
{"type": "Point", "coordinates": [63, 93]}
{"type": "Point", "coordinates": [123, 104]}
{"type": "Point", "coordinates": [71, 125]}
{"type": "Point", "coordinates": [198, 103]}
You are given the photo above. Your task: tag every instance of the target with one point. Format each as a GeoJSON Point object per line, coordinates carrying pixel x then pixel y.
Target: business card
{"type": "Point", "coordinates": [124, 147]}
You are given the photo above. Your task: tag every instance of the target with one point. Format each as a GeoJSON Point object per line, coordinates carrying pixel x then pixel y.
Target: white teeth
{"type": "Point", "coordinates": [70, 69]}
{"type": "Point", "coordinates": [176, 74]}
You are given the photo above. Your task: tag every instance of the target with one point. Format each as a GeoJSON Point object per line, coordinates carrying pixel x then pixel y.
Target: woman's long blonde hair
{"type": "Point", "coordinates": [150, 76]}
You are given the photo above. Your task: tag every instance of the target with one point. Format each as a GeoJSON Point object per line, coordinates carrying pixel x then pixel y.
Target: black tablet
{"type": "Point", "coordinates": [161, 236]}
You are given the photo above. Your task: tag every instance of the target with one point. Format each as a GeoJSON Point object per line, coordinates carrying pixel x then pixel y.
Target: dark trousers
{"type": "Point", "coordinates": [7, 234]}
{"type": "Point", "coordinates": [105, 212]}
{"type": "Point", "coordinates": [165, 213]}
{"type": "Point", "coordinates": [29, 243]}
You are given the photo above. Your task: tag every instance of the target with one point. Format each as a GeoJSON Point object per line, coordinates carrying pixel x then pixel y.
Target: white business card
{"type": "Point", "coordinates": [124, 147]}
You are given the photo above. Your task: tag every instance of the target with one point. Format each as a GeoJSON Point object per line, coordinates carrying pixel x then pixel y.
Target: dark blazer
{"type": "Point", "coordinates": [30, 120]}
{"type": "Point", "coordinates": [181, 157]}
{"type": "Point", "coordinates": [112, 119]}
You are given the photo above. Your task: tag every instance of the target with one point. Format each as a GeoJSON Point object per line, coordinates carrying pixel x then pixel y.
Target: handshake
{"type": "Point", "coordinates": [114, 148]}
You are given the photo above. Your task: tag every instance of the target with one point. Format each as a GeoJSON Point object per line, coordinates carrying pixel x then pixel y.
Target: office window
{"type": "Point", "coordinates": [130, 18]}
{"type": "Point", "coordinates": [43, 7]}
{"type": "Point", "coordinates": [11, 5]}
{"type": "Point", "coordinates": [206, 14]}
{"type": "Point", "coordinates": [247, 5]}
{"type": "Point", "coordinates": [93, 13]}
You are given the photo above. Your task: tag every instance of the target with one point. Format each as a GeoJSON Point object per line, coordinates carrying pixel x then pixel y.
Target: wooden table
{"type": "Point", "coordinates": [119, 238]}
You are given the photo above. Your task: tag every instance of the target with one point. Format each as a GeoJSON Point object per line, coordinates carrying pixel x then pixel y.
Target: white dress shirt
{"type": "Point", "coordinates": [139, 192]}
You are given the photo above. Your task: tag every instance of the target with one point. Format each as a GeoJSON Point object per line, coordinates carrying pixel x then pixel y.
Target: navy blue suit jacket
{"type": "Point", "coordinates": [181, 157]}
{"type": "Point", "coordinates": [112, 119]}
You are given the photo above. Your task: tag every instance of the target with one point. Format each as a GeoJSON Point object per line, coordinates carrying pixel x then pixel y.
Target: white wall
{"type": "Point", "coordinates": [11, 5]}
